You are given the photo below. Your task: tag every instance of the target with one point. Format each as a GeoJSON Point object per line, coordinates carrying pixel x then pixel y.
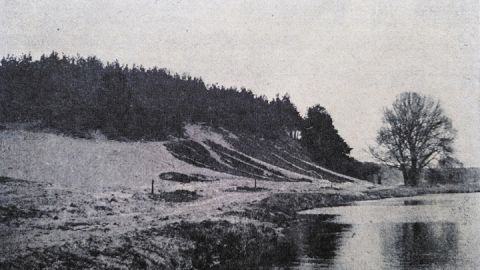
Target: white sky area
{"type": "Point", "coordinates": [352, 57]}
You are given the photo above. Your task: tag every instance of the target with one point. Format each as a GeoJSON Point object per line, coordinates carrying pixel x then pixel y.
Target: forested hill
{"type": "Point", "coordinates": [77, 95]}
{"type": "Point", "coordinates": [82, 96]}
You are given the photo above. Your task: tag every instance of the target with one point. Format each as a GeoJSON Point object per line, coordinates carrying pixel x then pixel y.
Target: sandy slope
{"type": "Point", "coordinates": [202, 134]}
{"type": "Point", "coordinates": [96, 163]}
{"type": "Point", "coordinates": [86, 163]}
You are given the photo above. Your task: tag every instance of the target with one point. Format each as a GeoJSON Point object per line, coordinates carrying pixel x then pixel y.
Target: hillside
{"type": "Point", "coordinates": [214, 153]}
{"type": "Point", "coordinates": [85, 97]}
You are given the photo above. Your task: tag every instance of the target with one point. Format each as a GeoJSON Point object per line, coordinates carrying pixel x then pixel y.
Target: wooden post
{"type": "Point", "coordinates": [152, 187]}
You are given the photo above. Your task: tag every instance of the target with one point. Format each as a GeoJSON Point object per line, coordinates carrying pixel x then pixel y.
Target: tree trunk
{"type": "Point", "coordinates": [405, 175]}
{"type": "Point", "coordinates": [415, 177]}
{"type": "Point", "coordinates": [413, 174]}
{"type": "Point", "coordinates": [411, 177]}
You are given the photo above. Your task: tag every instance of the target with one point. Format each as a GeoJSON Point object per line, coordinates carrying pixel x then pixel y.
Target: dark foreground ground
{"type": "Point", "coordinates": [46, 227]}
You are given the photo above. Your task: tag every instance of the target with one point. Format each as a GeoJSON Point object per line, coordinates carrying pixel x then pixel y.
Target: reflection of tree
{"type": "Point", "coordinates": [421, 244]}
{"type": "Point", "coordinates": [322, 238]}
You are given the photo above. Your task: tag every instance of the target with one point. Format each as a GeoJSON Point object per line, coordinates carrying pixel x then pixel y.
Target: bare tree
{"type": "Point", "coordinates": [415, 133]}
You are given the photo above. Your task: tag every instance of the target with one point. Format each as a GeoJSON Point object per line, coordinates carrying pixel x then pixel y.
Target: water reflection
{"type": "Point", "coordinates": [382, 245]}
{"type": "Point", "coordinates": [392, 239]}
{"type": "Point", "coordinates": [420, 245]}
{"type": "Point", "coordinates": [322, 242]}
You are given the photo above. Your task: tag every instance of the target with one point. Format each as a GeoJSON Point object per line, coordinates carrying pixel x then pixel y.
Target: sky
{"type": "Point", "coordinates": [352, 57]}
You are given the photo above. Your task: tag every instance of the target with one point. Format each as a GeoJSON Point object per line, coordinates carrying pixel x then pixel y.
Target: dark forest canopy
{"type": "Point", "coordinates": [326, 147]}
{"type": "Point", "coordinates": [77, 95]}
{"type": "Point", "coordinates": [322, 138]}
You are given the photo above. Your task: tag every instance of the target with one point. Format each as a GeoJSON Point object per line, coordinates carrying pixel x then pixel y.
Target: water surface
{"type": "Point", "coordinates": [439, 231]}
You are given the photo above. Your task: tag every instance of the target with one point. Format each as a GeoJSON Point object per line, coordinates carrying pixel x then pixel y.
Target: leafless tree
{"type": "Point", "coordinates": [415, 133]}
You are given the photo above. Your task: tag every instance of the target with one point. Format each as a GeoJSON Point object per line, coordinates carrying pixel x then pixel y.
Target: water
{"type": "Point", "coordinates": [423, 232]}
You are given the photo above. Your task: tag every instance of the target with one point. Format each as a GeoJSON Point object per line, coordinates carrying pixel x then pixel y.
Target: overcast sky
{"type": "Point", "coordinates": [352, 57]}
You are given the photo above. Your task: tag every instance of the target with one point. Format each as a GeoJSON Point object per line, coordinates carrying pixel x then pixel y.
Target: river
{"type": "Point", "coordinates": [439, 231]}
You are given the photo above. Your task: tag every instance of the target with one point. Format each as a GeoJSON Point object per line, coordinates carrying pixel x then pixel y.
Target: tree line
{"type": "Point", "coordinates": [76, 95]}
{"type": "Point", "coordinates": [328, 148]}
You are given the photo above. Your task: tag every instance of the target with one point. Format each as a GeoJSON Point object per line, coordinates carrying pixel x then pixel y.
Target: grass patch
{"type": "Point", "coordinates": [11, 212]}
{"type": "Point", "coordinates": [225, 245]}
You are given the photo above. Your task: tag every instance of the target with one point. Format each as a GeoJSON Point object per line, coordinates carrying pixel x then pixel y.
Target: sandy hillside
{"type": "Point", "coordinates": [86, 163]}
{"type": "Point", "coordinates": [66, 161]}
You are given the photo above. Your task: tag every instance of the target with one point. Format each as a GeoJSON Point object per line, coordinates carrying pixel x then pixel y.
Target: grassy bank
{"type": "Point", "coordinates": [282, 208]}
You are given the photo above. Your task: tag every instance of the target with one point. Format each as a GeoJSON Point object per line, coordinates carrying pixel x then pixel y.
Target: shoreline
{"type": "Point", "coordinates": [133, 230]}
{"type": "Point", "coordinates": [278, 208]}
